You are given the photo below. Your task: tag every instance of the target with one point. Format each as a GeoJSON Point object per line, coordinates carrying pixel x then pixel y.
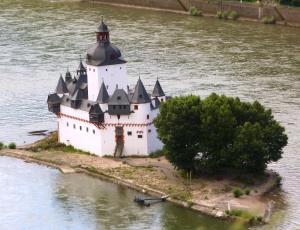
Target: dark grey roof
{"type": "Point", "coordinates": [104, 54]}
{"type": "Point", "coordinates": [103, 94]}
{"type": "Point", "coordinates": [81, 69]}
{"type": "Point", "coordinates": [102, 27]}
{"type": "Point", "coordinates": [85, 104]}
{"type": "Point", "coordinates": [61, 87]}
{"type": "Point", "coordinates": [53, 99]}
{"type": "Point", "coordinates": [157, 91]}
{"type": "Point", "coordinates": [78, 95]}
{"type": "Point", "coordinates": [71, 85]}
{"type": "Point", "coordinates": [156, 102]}
{"type": "Point", "coordinates": [140, 94]}
{"type": "Point", "coordinates": [96, 109]}
{"type": "Point", "coordinates": [119, 97]}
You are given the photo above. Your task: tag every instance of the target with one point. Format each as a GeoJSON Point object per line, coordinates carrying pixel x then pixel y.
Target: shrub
{"type": "Point", "coordinates": [237, 193]}
{"type": "Point", "coordinates": [1, 145]}
{"type": "Point", "coordinates": [233, 15]}
{"type": "Point", "coordinates": [12, 145]}
{"type": "Point", "coordinates": [240, 213]}
{"type": "Point", "coordinates": [222, 15]}
{"type": "Point", "coordinates": [194, 11]}
{"type": "Point", "coordinates": [247, 192]}
{"type": "Point", "coordinates": [219, 15]}
{"type": "Point", "coordinates": [268, 20]}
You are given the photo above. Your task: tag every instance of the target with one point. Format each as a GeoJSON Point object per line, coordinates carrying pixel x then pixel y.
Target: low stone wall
{"type": "Point", "coordinates": [162, 4]}
{"type": "Point", "coordinates": [245, 10]}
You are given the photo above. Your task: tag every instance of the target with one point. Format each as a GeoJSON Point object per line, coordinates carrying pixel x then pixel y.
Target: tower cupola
{"type": "Point", "coordinates": [102, 34]}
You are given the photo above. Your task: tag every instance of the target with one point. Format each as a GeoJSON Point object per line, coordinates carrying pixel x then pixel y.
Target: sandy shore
{"type": "Point", "coordinates": [157, 177]}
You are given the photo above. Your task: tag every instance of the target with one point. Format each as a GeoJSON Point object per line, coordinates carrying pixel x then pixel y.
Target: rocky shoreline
{"type": "Point", "coordinates": [156, 177]}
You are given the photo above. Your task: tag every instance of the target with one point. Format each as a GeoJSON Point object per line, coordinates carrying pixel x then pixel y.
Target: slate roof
{"type": "Point", "coordinates": [104, 54]}
{"type": "Point", "coordinates": [53, 99]}
{"type": "Point", "coordinates": [103, 94]}
{"type": "Point", "coordinates": [78, 95]}
{"type": "Point", "coordinates": [157, 91]}
{"type": "Point", "coordinates": [119, 97]}
{"type": "Point", "coordinates": [96, 109]}
{"type": "Point", "coordinates": [140, 94]}
{"type": "Point", "coordinates": [61, 87]}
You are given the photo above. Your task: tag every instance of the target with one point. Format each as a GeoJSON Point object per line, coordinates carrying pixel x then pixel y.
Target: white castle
{"type": "Point", "coordinates": [96, 110]}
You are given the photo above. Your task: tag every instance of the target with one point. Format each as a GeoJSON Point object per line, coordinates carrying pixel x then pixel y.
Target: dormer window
{"type": "Point", "coordinates": [136, 107]}
{"type": "Point", "coordinates": [119, 98]}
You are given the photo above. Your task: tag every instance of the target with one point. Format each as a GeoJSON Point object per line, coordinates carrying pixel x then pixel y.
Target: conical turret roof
{"type": "Point", "coordinates": [103, 94]}
{"type": "Point", "coordinates": [158, 91]}
{"type": "Point", "coordinates": [78, 95]}
{"type": "Point", "coordinates": [140, 94]}
{"type": "Point", "coordinates": [61, 87]}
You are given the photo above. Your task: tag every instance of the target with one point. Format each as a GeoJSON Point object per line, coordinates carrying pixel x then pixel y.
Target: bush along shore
{"type": "Point", "coordinates": [232, 197]}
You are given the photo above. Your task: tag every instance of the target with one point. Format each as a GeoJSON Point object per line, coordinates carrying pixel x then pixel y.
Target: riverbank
{"type": "Point", "coordinates": [251, 12]}
{"type": "Point", "coordinates": [157, 177]}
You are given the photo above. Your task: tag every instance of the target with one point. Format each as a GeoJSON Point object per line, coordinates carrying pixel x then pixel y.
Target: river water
{"type": "Point", "coordinates": [39, 39]}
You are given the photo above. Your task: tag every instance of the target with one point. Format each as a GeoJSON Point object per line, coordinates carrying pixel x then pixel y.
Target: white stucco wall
{"type": "Point", "coordinates": [140, 136]}
{"type": "Point", "coordinates": [112, 75]}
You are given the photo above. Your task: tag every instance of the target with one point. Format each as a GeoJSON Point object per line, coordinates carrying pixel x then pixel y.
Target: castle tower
{"type": "Point", "coordinates": [104, 64]}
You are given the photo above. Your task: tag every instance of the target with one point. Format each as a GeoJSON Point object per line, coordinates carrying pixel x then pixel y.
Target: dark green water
{"type": "Point", "coordinates": [39, 39]}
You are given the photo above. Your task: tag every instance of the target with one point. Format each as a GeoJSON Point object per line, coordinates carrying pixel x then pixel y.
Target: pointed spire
{"type": "Point", "coordinates": [157, 91]}
{"type": "Point", "coordinates": [81, 69]}
{"type": "Point", "coordinates": [103, 94]}
{"type": "Point", "coordinates": [102, 27]}
{"type": "Point", "coordinates": [140, 94]}
{"type": "Point", "coordinates": [61, 87]}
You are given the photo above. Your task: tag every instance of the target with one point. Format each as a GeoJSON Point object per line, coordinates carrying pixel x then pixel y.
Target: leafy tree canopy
{"type": "Point", "coordinates": [219, 133]}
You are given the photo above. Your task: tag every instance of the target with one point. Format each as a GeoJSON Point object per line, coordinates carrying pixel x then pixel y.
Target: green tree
{"type": "Point", "coordinates": [179, 129]}
{"type": "Point", "coordinates": [219, 133]}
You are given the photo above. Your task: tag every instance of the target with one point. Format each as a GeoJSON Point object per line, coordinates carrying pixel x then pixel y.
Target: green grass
{"type": "Point", "coordinates": [51, 143]}
{"type": "Point", "coordinates": [1, 145]}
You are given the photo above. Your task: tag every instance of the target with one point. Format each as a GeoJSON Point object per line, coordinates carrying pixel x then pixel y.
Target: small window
{"type": "Point", "coordinates": [118, 97]}
{"type": "Point", "coordinates": [136, 107]}
{"type": "Point", "coordinates": [124, 106]}
{"type": "Point", "coordinates": [162, 100]}
{"type": "Point", "coordinates": [114, 107]}
{"type": "Point", "coordinates": [129, 133]}
{"type": "Point", "coordinates": [89, 69]}
{"type": "Point", "coordinates": [140, 136]}
{"type": "Point", "coordinates": [149, 130]}
{"type": "Point", "coordinates": [120, 106]}
{"type": "Point", "coordinates": [93, 70]}
{"type": "Point", "coordinates": [67, 124]}
{"type": "Point", "coordinates": [87, 129]}
{"type": "Point", "coordinates": [106, 69]}
{"type": "Point", "coordinates": [94, 131]}
{"type": "Point", "coordinates": [120, 67]}
{"type": "Point", "coordinates": [74, 126]}
{"type": "Point", "coordinates": [148, 116]}
{"type": "Point", "coordinates": [80, 127]}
